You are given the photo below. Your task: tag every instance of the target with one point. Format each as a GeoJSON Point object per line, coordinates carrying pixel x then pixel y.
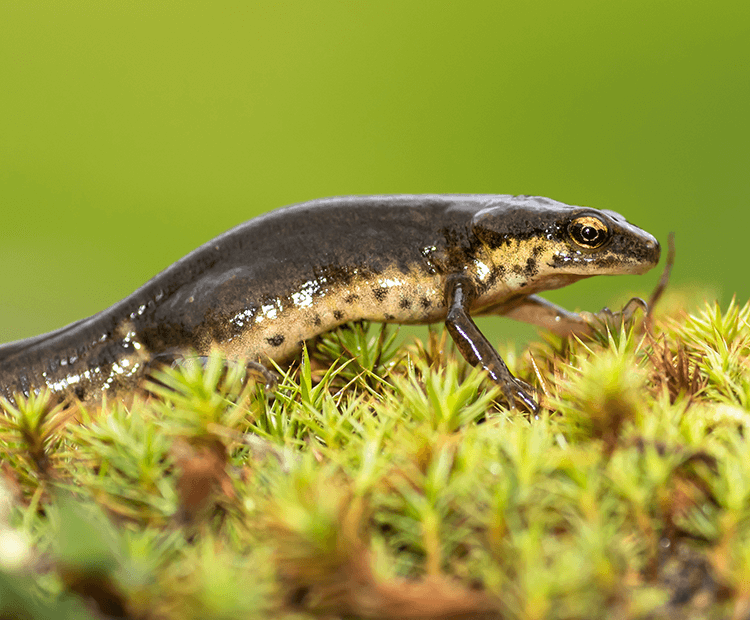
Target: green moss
{"type": "Point", "coordinates": [380, 481]}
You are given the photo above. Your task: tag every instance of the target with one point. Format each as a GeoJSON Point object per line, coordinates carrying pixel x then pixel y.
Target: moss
{"type": "Point", "coordinates": [385, 481]}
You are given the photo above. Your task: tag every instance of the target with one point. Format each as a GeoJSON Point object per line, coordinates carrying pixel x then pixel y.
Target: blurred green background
{"type": "Point", "coordinates": [132, 132]}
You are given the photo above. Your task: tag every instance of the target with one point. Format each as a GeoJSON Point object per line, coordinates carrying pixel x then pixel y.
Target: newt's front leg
{"type": "Point", "coordinates": [542, 313]}
{"type": "Point", "coordinates": [475, 347]}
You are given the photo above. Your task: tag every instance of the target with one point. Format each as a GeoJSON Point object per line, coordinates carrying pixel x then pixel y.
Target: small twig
{"type": "Point", "coordinates": [661, 285]}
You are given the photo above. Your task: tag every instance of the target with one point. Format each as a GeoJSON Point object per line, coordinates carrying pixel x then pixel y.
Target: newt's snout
{"type": "Point", "coordinates": [651, 253]}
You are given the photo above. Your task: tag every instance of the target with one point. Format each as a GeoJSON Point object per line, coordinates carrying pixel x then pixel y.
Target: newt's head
{"type": "Point", "coordinates": [548, 244]}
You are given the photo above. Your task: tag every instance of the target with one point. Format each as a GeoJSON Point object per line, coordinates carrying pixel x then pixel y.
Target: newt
{"type": "Point", "coordinates": [263, 288]}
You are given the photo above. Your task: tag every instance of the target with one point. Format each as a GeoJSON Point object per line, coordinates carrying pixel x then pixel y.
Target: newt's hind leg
{"type": "Point", "coordinates": [270, 379]}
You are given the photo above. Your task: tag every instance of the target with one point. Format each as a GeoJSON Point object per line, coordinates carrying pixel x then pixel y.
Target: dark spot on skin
{"type": "Point", "coordinates": [405, 303]}
{"type": "Point", "coordinates": [517, 269]}
{"type": "Point", "coordinates": [316, 321]}
{"type": "Point", "coordinates": [297, 597]}
{"type": "Point", "coordinates": [351, 298]}
{"type": "Point", "coordinates": [80, 392]}
{"type": "Point", "coordinates": [538, 249]}
{"type": "Point", "coordinates": [388, 317]}
{"type": "Point", "coordinates": [338, 315]}
{"type": "Point", "coordinates": [380, 293]}
{"type": "Point", "coordinates": [275, 341]}
{"type": "Point", "coordinates": [425, 302]}
{"type": "Point", "coordinates": [531, 268]}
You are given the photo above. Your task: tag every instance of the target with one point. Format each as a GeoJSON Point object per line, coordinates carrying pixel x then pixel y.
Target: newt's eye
{"type": "Point", "coordinates": [588, 231]}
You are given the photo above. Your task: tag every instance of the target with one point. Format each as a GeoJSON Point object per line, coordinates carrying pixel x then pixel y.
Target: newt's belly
{"type": "Point", "coordinates": [276, 327]}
